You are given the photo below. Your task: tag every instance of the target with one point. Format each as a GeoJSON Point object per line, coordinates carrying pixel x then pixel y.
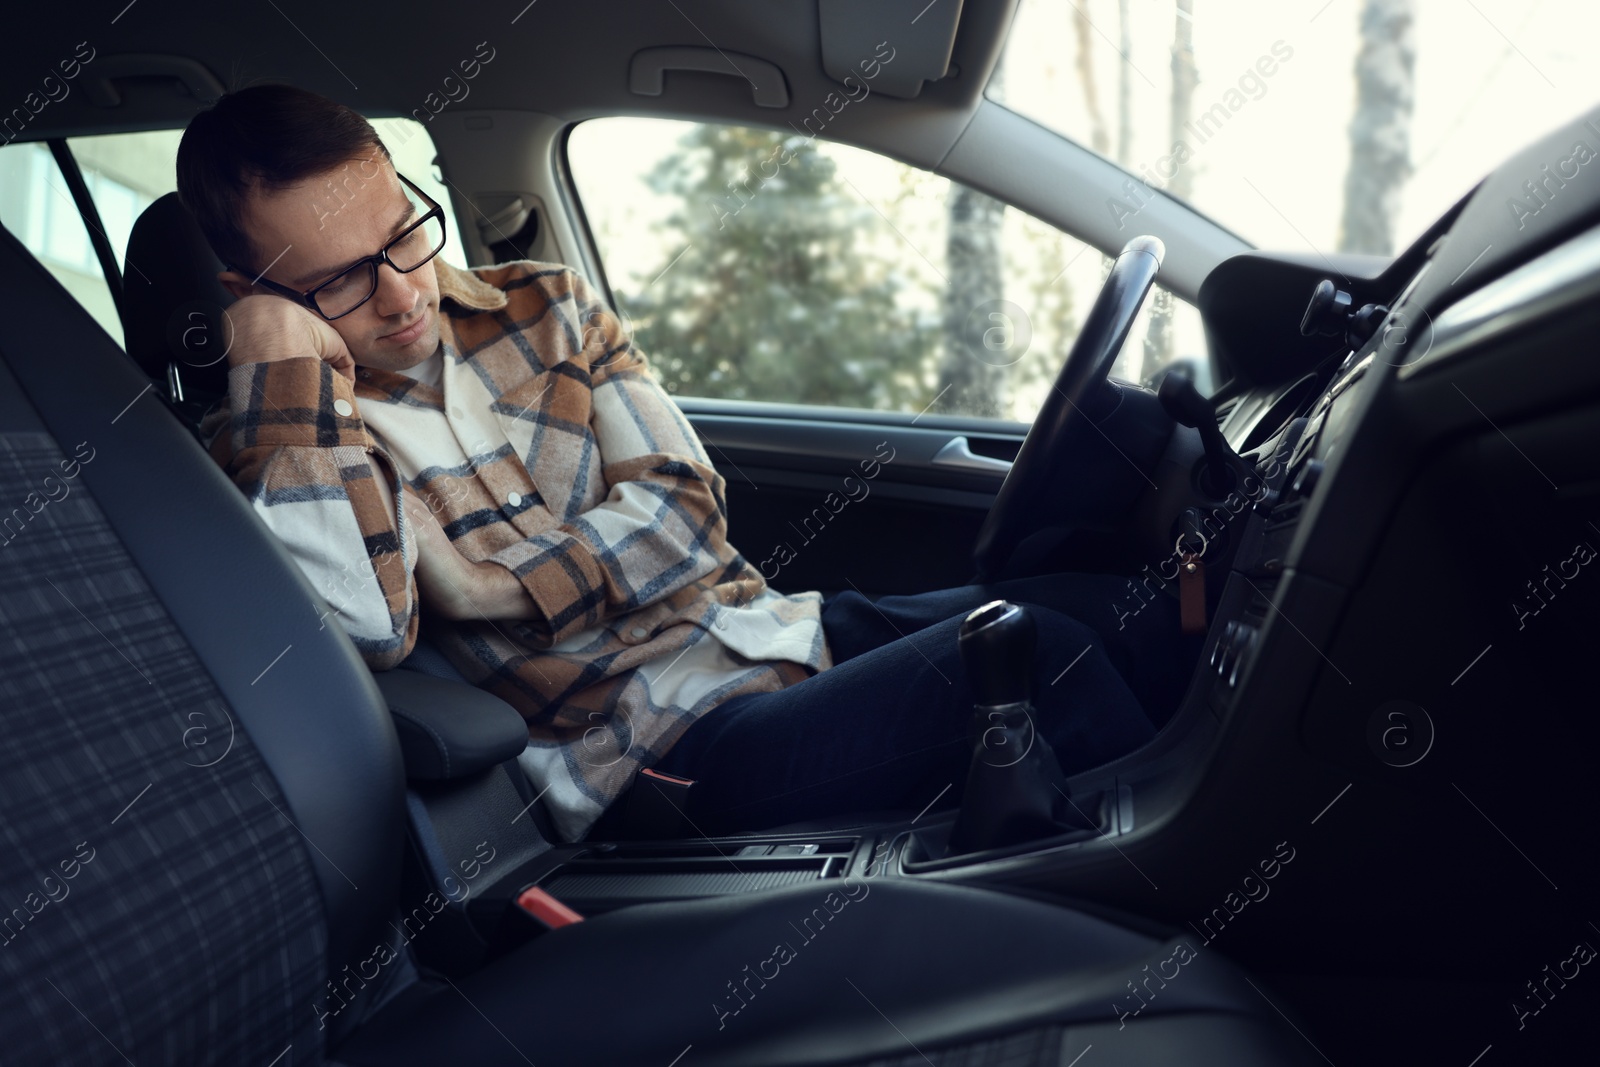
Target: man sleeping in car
{"type": "Point", "coordinates": [482, 461]}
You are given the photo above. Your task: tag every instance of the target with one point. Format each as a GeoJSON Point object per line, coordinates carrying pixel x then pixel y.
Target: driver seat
{"type": "Point", "coordinates": [202, 796]}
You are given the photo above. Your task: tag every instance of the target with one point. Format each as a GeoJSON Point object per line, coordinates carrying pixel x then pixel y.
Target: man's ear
{"type": "Point", "coordinates": [236, 283]}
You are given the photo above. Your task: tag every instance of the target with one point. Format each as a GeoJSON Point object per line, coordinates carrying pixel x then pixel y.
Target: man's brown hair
{"type": "Point", "coordinates": [261, 139]}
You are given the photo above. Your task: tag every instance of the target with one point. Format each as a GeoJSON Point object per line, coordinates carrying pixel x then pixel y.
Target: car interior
{"type": "Point", "coordinates": [1358, 837]}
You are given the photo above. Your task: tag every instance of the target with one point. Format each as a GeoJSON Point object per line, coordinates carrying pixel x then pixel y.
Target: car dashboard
{"type": "Point", "coordinates": [1419, 484]}
{"type": "Point", "coordinates": [1405, 604]}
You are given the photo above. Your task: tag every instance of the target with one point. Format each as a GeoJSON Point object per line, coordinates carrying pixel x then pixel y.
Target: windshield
{"type": "Point", "coordinates": [1322, 125]}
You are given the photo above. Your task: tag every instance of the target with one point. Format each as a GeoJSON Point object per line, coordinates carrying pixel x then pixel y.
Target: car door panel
{"type": "Point", "coordinates": [833, 499]}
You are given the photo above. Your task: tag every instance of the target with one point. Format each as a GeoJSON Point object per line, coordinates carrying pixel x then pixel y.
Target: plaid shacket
{"type": "Point", "coordinates": [548, 448]}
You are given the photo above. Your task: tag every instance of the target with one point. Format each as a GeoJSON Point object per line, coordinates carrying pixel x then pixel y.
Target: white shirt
{"type": "Point", "coordinates": [429, 371]}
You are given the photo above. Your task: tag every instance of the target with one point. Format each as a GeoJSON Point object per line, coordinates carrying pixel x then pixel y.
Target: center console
{"type": "Point", "coordinates": [458, 922]}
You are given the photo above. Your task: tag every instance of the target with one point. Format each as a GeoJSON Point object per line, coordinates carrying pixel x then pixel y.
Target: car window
{"type": "Point", "coordinates": [126, 173]}
{"type": "Point", "coordinates": [763, 265]}
{"type": "Point", "coordinates": [413, 153]}
{"type": "Point", "coordinates": [1318, 127]}
{"type": "Point", "coordinates": [37, 207]}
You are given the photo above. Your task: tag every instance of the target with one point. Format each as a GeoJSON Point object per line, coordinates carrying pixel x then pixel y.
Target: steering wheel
{"type": "Point", "coordinates": [1063, 415]}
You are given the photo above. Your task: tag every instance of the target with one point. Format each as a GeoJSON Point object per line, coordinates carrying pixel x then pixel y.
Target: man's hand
{"type": "Point", "coordinates": [455, 587]}
{"type": "Point", "coordinates": [262, 328]}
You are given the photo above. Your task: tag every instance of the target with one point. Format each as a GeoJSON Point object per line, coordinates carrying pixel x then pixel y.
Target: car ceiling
{"type": "Point", "coordinates": [560, 57]}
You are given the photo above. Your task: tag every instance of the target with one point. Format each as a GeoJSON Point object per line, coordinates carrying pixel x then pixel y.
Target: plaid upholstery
{"type": "Point", "coordinates": [156, 906]}
{"type": "Point", "coordinates": [548, 448]}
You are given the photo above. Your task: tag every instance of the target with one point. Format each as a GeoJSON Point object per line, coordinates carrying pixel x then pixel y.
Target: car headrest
{"type": "Point", "coordinates": [172, 301]}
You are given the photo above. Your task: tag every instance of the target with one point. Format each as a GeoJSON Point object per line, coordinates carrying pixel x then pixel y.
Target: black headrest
{"type": "Point", "coordinates": [172, 301]}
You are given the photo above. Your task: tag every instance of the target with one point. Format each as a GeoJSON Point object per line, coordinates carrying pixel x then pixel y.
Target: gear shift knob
{"type": "Point", "coordinates": [997, 643]}
{"type": "Point", "coordinates": [1014, 781]}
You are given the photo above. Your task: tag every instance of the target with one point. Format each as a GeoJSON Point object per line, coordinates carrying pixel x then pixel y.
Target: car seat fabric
{"type": "Point", "coordinates": [218, 907]}
{"type": "Point", "coordinates": [153, 888]}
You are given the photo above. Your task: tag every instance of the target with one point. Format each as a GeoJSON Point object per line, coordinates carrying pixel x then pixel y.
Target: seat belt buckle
{"type": "Point", "coordinates": [655, 806]}
{"type": "Point", "coordinates": [545, 909]}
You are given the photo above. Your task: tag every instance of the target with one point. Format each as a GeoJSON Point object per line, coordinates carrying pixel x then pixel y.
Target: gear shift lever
{"type": "Point", "coordinates": [1012, 782]}
{"type": "Point", "coordinates": [996, 643]}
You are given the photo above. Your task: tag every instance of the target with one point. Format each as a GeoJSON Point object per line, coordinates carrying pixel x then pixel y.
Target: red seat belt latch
{"type": "Point", "coordinates": [546, 909]}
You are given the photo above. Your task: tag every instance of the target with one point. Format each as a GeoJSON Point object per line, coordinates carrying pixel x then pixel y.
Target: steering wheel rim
{"type": "Point", "coordinates": [1087, 366]}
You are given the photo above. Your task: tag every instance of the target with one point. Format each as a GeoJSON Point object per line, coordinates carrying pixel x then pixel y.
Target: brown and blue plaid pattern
{"type": "Point", "coordinates": [548, 447]}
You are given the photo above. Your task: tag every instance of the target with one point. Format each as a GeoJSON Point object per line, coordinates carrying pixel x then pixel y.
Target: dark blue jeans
{"type": "Point", "coordinates": [889, 725]}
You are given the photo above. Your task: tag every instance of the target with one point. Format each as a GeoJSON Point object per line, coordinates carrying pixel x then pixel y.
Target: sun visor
{"type": "Point", "coordinates": [892, 45]}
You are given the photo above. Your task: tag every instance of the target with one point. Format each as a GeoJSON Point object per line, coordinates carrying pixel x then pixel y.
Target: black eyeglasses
{"type": "Point", "coordinates": [354, 286]}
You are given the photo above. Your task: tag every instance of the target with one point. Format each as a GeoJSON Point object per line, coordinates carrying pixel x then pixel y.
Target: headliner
{"type": "Point", "coordinates": [567, 59]}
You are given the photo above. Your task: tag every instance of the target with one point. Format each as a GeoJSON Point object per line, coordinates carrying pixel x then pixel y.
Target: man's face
{"type": "Point", "coordinates": [308, 233]}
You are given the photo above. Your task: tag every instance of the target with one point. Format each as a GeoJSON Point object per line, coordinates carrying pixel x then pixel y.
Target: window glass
{"type": "Point", "coordinates": [762, 265]}
{"type": "Point", "coordinates": [36, 206]}
{"type": "Point", "coordinates": [126, 173]}
{"type": "Point", "coordinates": [1305, 125]}
{"type": "Point", "coordinates": [412, 151]}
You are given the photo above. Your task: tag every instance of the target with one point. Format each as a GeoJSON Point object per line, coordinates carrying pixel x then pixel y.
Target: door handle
{"type": "Point", "coordinates": [957, 453]}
